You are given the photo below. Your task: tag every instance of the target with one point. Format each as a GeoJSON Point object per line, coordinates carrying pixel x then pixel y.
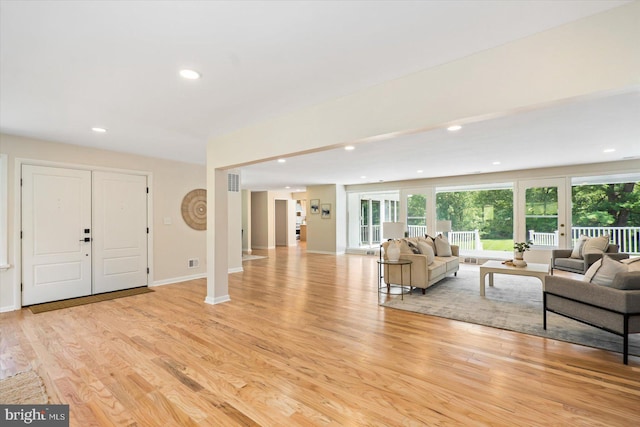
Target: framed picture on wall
{"type": "Point", "coordinates": [326, 211]}
{"type": "Point", "coordinates": [314, 206]}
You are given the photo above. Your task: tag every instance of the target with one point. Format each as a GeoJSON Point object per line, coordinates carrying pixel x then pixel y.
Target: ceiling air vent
{"type": "Point", "coordinates": [233, 181]}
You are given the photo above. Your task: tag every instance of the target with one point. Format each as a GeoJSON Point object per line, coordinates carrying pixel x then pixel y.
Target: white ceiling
{"type": "Point", "coordinates": [66, 66]}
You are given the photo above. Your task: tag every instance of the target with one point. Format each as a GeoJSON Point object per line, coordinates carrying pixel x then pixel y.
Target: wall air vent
{"type": "Point", "coordinates": [233, 181]}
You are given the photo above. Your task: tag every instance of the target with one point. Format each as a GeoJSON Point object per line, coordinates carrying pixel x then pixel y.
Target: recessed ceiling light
{"type": "Point", "coordinates": [362, 177]}
{"type": "Point", "coordinates": [454, 128]}
{"type": "Point", "coordinates": [349, 147]}
{"type": "Point", "coordinates": [419, 171]}
{"type": "Point", "coordinates": [287, 187]}
{"type": "Point", "coordinates": [282, 160]}
{"type": "Point", "coordinates": [99, 130]}
{"type": "Point", "coordinates": [189, 74]}
{"type": "Point", "coordinates": [609, 150]}
{"type": "Point", "coordinates": [496, 163]}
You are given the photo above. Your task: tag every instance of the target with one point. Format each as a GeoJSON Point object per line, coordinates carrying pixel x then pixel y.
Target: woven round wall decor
{"type": "Point", "coordinates": [194, 209]}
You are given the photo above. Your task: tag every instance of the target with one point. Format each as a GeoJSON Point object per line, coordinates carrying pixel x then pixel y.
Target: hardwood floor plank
{"type": "Point", "coordinates": [304, 342]}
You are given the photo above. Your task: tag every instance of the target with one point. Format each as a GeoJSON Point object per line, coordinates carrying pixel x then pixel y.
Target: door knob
{"type": "Point", "coordinates": [86, 239]}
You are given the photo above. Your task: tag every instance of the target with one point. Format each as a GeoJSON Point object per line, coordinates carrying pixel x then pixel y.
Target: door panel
{"type": "Point", "coordinates": [542, 204]}
{"type": "Point", "coordinates": [56, 209]}
{"type": "Point", "coordinates": [120, 231]}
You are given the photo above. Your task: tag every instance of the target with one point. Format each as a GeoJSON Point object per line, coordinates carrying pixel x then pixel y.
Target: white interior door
{"type": "Point", "coordinates": [120, 231]}
{"type": "Point", "coordinates": [56, 212]}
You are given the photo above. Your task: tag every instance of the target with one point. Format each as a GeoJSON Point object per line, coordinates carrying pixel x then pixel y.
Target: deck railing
{"type": "Point", "coordinates": [543, 239]}
{"type": "Point", "coordinates": [466, 240]}
{"type": "Point", "coordinates": [627, 238]}
{"type": "Point", "coordinates": [369, 231]}
{"type": "Point", "coordinates": [417, 230]}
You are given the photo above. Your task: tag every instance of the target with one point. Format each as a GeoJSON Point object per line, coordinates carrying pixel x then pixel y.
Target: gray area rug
{"type": "Point", "coordinates": [514, 303]}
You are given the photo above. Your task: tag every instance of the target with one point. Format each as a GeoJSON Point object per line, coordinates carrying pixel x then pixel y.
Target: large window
{"type": "Point", "coordinates": [607, 205]}
{"type": "Point", "coordinates": [481, 216]}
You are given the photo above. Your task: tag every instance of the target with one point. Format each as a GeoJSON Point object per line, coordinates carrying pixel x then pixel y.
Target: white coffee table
{"type": "Point", "coordinates": [492, 267]}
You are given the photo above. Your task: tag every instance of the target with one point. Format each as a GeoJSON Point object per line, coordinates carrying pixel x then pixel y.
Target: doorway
{"type": "Point", "coordinates": [282, 221]}
{"type": "Point", "coordinates": [83, 232]}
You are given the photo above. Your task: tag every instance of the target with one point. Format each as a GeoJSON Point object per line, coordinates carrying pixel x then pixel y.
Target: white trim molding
{"type": "Point", "coordinates": [217, 300]}
{"type": "Point", "coordinates": [178, 279]}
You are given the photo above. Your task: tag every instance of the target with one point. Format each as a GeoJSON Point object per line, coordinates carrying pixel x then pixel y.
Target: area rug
{"type": "Point", "coordinates": [23, 388]}
{"type": "Point", "coordinates": [74, 302]}
{"type": "Point", "coordinates": [514, 303]}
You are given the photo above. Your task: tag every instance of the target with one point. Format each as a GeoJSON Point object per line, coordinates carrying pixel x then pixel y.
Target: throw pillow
{"type": "Point", "coordinates": [633, 263]}
{"type": "Point", "coordinates": [429, 241]}
{"type": "Point", "coordinates": [414, 248]}
{"type": "Point", "coordinates": [443, 248]}
{"type": "Point", "coordinates": [592, 270]}
{"type": "Point", "coordinates": [577, 249]}
{"type": "Point", "coordinates": [609, 267]}
{"type": "Point", "coordinates": [596, 245]}
{"type": "Point", "coordinates": [427, 250]}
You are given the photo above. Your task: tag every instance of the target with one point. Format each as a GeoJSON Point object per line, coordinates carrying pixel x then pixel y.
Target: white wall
{"type": "Point", "coordinates": [173, 244]}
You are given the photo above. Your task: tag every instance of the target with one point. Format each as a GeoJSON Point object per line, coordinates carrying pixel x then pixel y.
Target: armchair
{"type": "Point", "coordinates": [561, 259]}
{"type": "Point", "coordinates": [614, 308]}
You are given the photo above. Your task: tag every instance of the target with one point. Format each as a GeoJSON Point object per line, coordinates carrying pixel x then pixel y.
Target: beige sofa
{"type": "Point", "coordinates": [422, 274]}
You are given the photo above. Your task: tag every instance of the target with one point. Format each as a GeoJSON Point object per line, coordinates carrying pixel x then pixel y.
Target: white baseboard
{"type": "Point", "coordinates": [325, 252]}
{"type": "Point", "coordinates": [264, 247]}
{"type": "Point", "coordinates": [178, 279]}
{"type": "Point", "coordinates": [217, 300]}
{"type": "Point", "coordinates": [235, 270]}
{"type": "Point", "coordinates": [7, 308]}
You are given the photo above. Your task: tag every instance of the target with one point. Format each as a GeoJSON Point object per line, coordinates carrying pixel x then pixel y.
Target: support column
{"type": "Point", "coordinates": [217, 237]}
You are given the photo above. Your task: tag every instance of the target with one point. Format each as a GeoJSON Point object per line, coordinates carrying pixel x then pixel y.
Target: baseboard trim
{"type": "Point", "coordinates": [235, 270]}
{"type": "Point", "coordinates": [263, 247]}
{"type": "Point", "coordinates": [8, 308]}
{"type": "Point", "coordinates": [325, 252]}
{"type": "Point", "coordinates": [217, 300]}
{"type": "Point", "coordinates": [178, 279]}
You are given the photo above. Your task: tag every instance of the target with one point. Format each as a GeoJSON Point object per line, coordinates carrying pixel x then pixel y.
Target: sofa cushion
{"type": "Point", "coordinates": [596, 245]}
{"type": "Point", "coordinates": [576, 253]}
{"type": "Point", "coordinates": [603, 271]}
{"type": "Point", "coordinates": [426, 251]}
{"type": "Point", "coordinates": [437, 268]}
{"type": "Point", "coordinates": [443, 248]}
{"type": "Point", "coordinates": [575, 264]}
{"type": "Point", "coordinates": [627, 281]}
{"type": "Point", "coordinates": [451, 262]}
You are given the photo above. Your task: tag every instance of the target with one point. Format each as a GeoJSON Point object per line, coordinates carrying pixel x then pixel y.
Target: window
{"type": "Point", "coordinates": [607, 205]}
{"type": "Point", "coordinates": [481, 216]}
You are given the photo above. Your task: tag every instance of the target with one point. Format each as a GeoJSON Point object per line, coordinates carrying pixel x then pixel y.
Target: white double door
{"type": "Point", "coordinates": [83, 232]}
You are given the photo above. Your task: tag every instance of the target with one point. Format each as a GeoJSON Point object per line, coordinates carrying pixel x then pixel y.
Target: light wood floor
{"type": "Point", "coordinates": [304, 342]}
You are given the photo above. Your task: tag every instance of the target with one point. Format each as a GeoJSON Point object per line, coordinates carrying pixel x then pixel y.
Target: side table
{"type": "Point", "coordinates": [383, 263]}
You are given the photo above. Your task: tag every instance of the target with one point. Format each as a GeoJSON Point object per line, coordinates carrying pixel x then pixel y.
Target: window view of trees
{"type": "Point", "coordinates": [488, 211]}
{"type": "Point", "coordinates": [613, 205]}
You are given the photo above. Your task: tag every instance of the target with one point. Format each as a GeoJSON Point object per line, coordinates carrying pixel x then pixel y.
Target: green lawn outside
{"type": "Point", "coordinates": [497, 245]}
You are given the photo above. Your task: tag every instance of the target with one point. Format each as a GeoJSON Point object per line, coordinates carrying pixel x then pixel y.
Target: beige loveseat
{"type": "Point", "coordinates": [422, 274]}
